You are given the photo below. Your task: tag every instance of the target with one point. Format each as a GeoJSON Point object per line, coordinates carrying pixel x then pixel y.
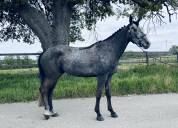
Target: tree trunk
{"type": "Point", "coordinates": [49, 35]}
{"type": "Point", "coordinates": [61, 24]}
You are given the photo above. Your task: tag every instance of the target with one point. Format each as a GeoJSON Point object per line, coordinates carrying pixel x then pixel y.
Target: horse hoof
{"type": "Point", "coordinates": [114, 115]}
{"type": "Point", "coordinates": [55, 115]}
{"type": "Point", "coordinates": [100, 118]}
{"type": "Point", "coordinates": [46, 117]}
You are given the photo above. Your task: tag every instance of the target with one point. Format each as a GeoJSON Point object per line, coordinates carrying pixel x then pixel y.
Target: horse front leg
{"type": "Point", "coordinates": [108, 96]}
{"type": "Point", "coordinates": [100, 82]}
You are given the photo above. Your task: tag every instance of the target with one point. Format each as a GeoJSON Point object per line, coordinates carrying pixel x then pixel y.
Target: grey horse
{"type": "Point", "coordinates": [99, 60]}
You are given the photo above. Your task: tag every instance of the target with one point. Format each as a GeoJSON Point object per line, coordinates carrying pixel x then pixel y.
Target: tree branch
{"type": "Point", "coordinates": [38, 23]}
{"type": "Point", "coordinates": [141, 3]}
{"type": "Point", "coordinates": [168, 11]}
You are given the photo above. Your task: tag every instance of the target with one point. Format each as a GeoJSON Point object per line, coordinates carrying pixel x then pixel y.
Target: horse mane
{"type": "Point", "coordinates": [115, 33]}
{"type": "Point", "coordinates": [81, 48]}
{"type": "Point", "coordinates": [109, 38]}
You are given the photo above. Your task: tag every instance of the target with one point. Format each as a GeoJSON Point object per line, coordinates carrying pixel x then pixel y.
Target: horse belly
{"type": "Point", "coordinates": [83, 65]}
{"type": "Point", "coordinates": [79, 68]}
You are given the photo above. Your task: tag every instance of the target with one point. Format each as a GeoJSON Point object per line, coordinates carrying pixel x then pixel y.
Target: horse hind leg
{"type": "Point", "coordinates": [50, 95]}
{"type": "Point", "coordinates": [46, 90]}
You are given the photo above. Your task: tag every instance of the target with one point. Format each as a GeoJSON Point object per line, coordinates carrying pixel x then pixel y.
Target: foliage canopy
{"type": "Point", "coordinates": [24, 19]}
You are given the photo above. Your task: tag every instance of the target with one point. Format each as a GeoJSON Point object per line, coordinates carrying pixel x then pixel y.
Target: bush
{"type": "Point", "coordinates": [17, 62]}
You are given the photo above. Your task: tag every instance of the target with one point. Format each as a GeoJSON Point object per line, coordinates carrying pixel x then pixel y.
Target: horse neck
{"type": "Point", "coordinates": [119, 41]}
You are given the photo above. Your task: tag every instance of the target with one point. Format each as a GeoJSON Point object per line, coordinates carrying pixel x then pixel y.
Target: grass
{"type": "Point", "coordinates": [22, 85]}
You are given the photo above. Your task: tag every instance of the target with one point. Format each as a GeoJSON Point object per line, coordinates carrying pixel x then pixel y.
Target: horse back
{"type": "Point", "coordinates": [85, 62]}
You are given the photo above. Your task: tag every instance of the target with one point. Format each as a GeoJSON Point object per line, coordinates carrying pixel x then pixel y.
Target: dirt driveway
{"type": "Point", "coordinates": [149, 111]}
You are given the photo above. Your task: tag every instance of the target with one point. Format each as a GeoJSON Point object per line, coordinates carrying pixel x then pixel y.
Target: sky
{"type": "Point", "coordinates": [162, 37]}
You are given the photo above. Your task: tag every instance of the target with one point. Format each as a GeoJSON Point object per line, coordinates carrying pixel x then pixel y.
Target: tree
{"type": "Point", "coordinates": [174, 50]}
{"type": "Point", "coordinates": [60, 21]}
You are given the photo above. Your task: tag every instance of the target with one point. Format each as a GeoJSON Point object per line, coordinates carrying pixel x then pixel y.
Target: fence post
{"type": "Point", "coordinates": [147, 58]}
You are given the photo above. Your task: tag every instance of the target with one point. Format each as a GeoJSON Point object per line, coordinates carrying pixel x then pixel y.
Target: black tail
{"type": "Point", "coordinates": [42, 76]}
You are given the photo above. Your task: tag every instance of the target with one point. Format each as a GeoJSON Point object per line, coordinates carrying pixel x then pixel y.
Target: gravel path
{"type": "Point", "coordinates": [149, 111]}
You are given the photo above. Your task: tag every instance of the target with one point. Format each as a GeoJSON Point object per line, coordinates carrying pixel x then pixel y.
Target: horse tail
{"type": "Point", "coordinates": [42, 76]}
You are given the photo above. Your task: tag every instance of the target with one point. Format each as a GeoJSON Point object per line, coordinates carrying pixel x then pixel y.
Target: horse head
{"type": "Point", "coordinates": [136, 35]}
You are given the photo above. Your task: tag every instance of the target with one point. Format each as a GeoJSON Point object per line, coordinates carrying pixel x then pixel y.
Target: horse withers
{"type": "Point", "coordinates": [99, 60]}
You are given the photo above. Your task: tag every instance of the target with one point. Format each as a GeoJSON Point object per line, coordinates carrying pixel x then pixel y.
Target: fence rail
{"type": "Point", "coordinates": [19, 54]}
{"type": "Point", "coordinates": [18, 60]}
{"type": "Point", "coordinates": [29, 60]}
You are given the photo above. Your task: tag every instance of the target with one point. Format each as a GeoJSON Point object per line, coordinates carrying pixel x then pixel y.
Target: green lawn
{"type": "Point", "coordinates": [22, 84]}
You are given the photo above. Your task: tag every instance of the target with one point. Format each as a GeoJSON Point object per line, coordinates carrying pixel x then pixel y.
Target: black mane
{"type": "Point", "coordinates": [109, 38]}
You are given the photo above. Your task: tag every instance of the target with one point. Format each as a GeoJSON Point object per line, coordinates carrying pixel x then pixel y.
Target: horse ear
{"type": "Point", "coordinates": [138, 21]}
{"type": "Point", "coordinates": [131, 19]}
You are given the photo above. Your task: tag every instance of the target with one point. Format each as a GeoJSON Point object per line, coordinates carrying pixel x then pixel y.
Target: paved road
{"type": "Point", "coordinates": [150, 111]}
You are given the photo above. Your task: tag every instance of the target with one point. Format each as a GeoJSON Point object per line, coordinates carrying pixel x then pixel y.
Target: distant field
{"type": "Point", "coordinates": [22, 84]}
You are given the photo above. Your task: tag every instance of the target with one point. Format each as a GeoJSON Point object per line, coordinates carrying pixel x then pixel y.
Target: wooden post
{"type": "Point", "coordinates": [147, 58]}
{"type": "Point", "coordinates": [27, 61]}
{"type": "Point", "coordinates": [0, 61]}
